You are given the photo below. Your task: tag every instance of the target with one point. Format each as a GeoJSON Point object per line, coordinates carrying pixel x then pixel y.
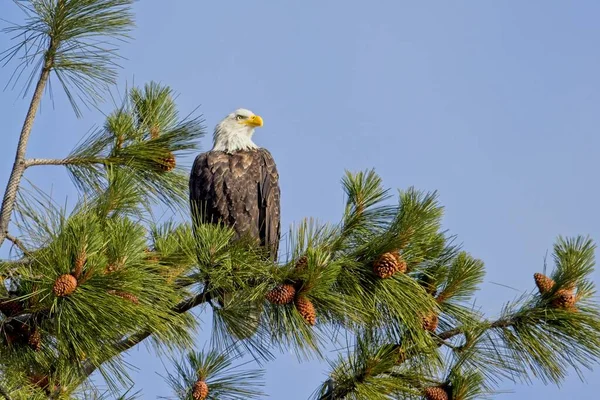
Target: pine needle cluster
{"type": "Point", "coordinates": [89, 282]}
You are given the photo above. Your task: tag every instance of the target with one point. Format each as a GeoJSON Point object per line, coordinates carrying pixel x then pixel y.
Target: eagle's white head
{"type": "Point", "coordinates": [235, 131]}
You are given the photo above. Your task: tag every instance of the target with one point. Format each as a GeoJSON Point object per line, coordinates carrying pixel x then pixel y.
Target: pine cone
{"type": "Point", "coordinates": [430, 322]}
{"type": "Point", "coordinates": [127, 296]}
{"type": "Point", "coordinates": [565, 299]}
{"type": "Point", "coordinates": [10, 307]}
{"type": "Point", "coordinates": [154, 132]}
{"type": "Point", "coordinates": [64, 285]}
{"type": "Point", "coordinates": [167, 163]}
{"type": "Point", "coordinates": [388, 264]}
{"type": "Point", "coordinates": [79, 263]}
{"type": "Point", "coordinates": [35, 340]}
{"type": "Point", "coordinates": [306, 308]}
{"type": "Point", "coordinates": [200, 390]}
{"type": "Point", "coordinates": [543, 283]}
{"type": "Point", "coordinates": [301, 263]}
{"type": "Point", "coordinates": [436, 393]}
{"type": "Point", "coordinates": [282, 294]}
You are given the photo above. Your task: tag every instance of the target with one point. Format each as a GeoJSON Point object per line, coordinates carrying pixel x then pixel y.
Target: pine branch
{"type": "Point", "coordinates": [4, 393]}
{"type": "Point", "coordinates": [67, 39]}
{"type": "Point", "coordinates": [47, 161]}
{"type": "Point", "coordinates": [17, 242]}
{"type": "Point", "coordinates": [218, 374]}
{"type": "Point", "coordinates": [135, 339]}
{"type": "Point", "coordinates": [505, 322]}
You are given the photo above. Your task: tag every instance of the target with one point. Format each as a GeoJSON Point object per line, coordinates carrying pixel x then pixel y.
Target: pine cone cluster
{"type": "Point", "coordinates": [565, 299]}
{"type": "Point", "coordinates": [388, 264]}
{"type": "Point", "coordinates": [64, 285]}
{"type": "Point", "coordinates": [306, 308]}
{"type": "Point", "coordinates": [430, 322]}
{"type": "Point", "coordinates": [436, 393]}
{"type": "Point", "coordinates": [282, 294]}
{"type": "Point", "coordinates": [200, 390]}
{"type": "Point", "coordinates": [543, 283]}
{"type": "Point", "coordinates": [10, 307]}
{"type": "Point", "coordinates": [167, 163]}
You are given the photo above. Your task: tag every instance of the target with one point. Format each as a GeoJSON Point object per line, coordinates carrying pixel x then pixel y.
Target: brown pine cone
{"type": "Point", "coordinates": [543, 283]}
{"type": "Point", "coordinates": [436, 393]}
{"type": "Point", "coordinates": [388, 264]}
{"type": "Point", "coordinates": [564, 299]}
{"type": "Point", "coordinates": [282, 294]}
{"type": "Point", "coordinates": [200, 390]}
{"type": "Point", "coordinates": [167, 163]}
{"type": "Point", "coordinates": [154, 132]}
{"type": "Point", "coordinates": [430, 322]}
{"type": "Point", "coordinates": [306, 308]}
{"type": "Point", "coordinates": [35, 340]}
{"type": "Point", "coordinates": [64, 285]}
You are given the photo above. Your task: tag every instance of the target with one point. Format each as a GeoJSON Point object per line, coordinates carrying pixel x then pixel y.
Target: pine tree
{"type": "Point", "coordinates": [87, 283]}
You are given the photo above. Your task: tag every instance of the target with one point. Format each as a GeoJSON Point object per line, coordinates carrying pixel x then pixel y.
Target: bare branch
{"type": "Point", "coordinates": [17, 242]}
{"type": "Point", "coordinates": [46, 161]}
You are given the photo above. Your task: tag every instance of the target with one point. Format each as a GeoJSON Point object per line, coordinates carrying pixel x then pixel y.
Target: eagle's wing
{"type": "Point", "coordinates": [240, 190]}
{"type": "Point", "coordinates": [269, 203]}
{"type": "Point", "coordinates": [201, 186]}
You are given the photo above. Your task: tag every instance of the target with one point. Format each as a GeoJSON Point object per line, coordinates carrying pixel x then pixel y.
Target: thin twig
{"type": "Point", "coordinates": [501, 323]}
{"type": "Point", "coordinates": [17, 242]}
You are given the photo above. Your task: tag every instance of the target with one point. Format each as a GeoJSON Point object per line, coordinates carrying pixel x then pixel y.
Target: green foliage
{"type": "Point", "coordinates": [90, 282]}
{"type": "Point", "coordinates": [124, 152]}
{"type": "Point", "coordinates": [76, 39]}
{"type": "Point", "coordinates": [216, 369]}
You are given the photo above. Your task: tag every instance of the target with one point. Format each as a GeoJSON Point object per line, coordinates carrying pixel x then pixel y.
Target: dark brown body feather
{"type": "Point", "coordinates": [240, 190]}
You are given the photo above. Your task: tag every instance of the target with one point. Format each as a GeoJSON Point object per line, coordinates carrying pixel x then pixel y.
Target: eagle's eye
{"type": "Point", "coordinates": [239, 117]}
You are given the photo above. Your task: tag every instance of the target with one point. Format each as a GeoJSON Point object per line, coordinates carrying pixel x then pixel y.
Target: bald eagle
{"type": "Point", "coordinates": [237, 183]}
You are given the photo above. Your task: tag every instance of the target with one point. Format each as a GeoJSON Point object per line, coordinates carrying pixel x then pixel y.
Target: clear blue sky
{"type": "Point", "coordinates": [494, 104]}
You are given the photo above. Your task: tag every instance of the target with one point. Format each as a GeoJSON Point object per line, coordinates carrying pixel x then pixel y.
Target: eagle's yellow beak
{"type": "Point", "coordinates": [254, 120]}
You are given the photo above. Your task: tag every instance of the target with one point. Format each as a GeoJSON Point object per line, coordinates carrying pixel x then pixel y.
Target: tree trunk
{"type": "Point", "coordinates": [10, 195]}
